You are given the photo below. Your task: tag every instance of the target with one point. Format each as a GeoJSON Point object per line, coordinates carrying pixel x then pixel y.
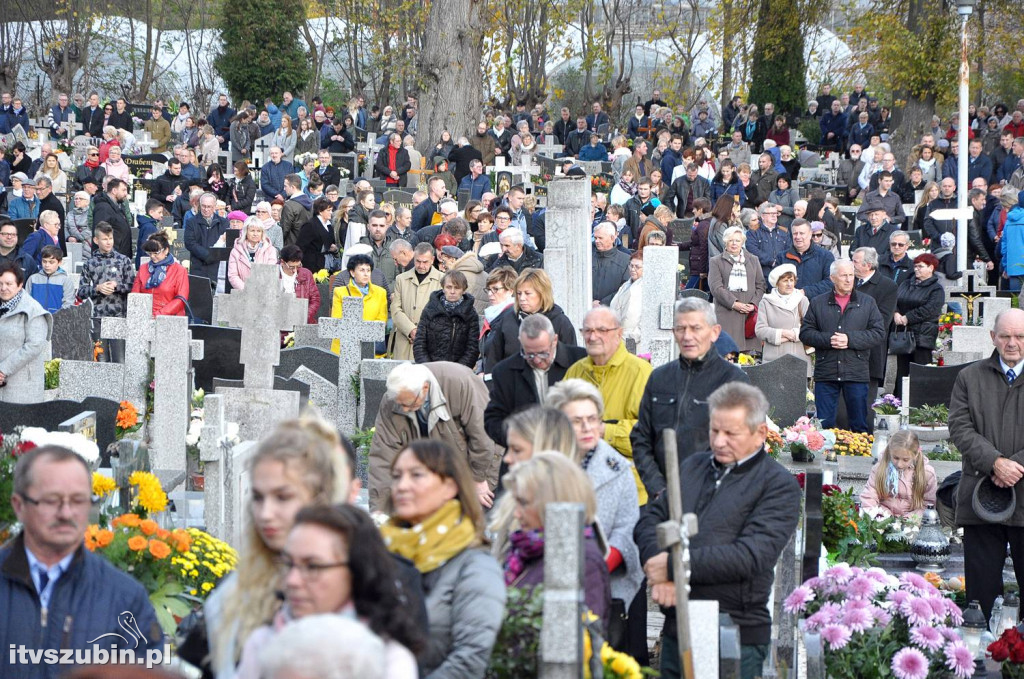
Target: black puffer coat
{"type": "Point", "coordinates": [444, 335]}
{"type": "Point", "coordinates": [921, 302]}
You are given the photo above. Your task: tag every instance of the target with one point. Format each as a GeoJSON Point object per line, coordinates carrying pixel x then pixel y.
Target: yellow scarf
{"type": "Point", "coordinates": [431, 544]}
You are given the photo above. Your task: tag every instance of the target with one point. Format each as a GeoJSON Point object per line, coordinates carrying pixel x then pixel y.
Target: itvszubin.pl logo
{"type": "Point", "coordinates": [95, 653]}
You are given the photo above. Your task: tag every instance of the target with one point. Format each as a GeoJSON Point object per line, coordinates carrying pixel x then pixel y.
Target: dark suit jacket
{"type": "Point", "coordinates": [883, 291]}
{"type": "Point", "coordinates": [512, 387]}
{"type": "Point", "coordinates": [330, 174]}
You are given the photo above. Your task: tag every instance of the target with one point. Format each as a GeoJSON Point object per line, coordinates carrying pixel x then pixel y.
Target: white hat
{"type": "Point", "coordinates": [488, 249]}
{"type": "Point", "coordinates": [779, 271]}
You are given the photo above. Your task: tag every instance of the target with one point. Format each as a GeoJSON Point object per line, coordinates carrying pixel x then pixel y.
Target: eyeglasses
{"type": "Point", "coordinates": [9, 234]}
{"type": "Point", "coordinates": [897, 245]}
{"type": "Point", "coordinates": [539, 356]}
{"type": "Point", "coordinates": [94, 155]}
{"type": "Point", "coordinates": [638, 267]}
{"type": "Point", "coordinates": [817, 235]}
{"type": "Point", "coordinates": [490, 291]}
{"type": "Point", "coordinates": [54, 503]}
{"type": "Point", "coordinates": [308, 571]}
{"type": "Point", "coordinates": [600, 331]}
{"type": "Point", "coordinates": [589, 422]}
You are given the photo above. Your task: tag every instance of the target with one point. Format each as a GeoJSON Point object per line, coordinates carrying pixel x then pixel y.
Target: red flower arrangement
{"type": "Point", "coordinates": [1008, 649]}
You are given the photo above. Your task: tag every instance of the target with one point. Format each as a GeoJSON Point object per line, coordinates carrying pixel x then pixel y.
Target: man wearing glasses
{"type": "Point", "coordinates": [768, 243]}
{"type": "Point", "coordinates": [523, 379]}
{"type": "Point", "coordinates": [896, 265]}
{"type": "Point", "coordinates": [59, 595]}
{"type": "Point", "coordinates": [9, 250]}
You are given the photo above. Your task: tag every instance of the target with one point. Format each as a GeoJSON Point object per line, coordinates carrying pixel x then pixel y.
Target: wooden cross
{"type": "Point", "coordinates": [262, 310]}
{"type": "Point", "coordinates": [675, 534]}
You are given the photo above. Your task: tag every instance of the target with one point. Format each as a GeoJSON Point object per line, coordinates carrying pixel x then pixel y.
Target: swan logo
{"type": "Point", "coordinates": [126, 621]}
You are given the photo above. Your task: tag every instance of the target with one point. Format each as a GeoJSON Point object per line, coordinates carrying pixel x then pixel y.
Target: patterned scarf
{"type": "Point", "coordinates": [526, 546]}
{"type": "Point", "coordinates": [158, 271]}
{"type": "Point", "coordinates": [628, 187]}
{"type": "Point", "coordinates": [11, 304]}
{"type": "Point", "coordinates": [738, 274]}
{"type": "Point", "coordinates": [892, 480]}
{"type": "Point", "coordinates": [450, 306]}
{"type": "Point", "coordinates": [429, 545]}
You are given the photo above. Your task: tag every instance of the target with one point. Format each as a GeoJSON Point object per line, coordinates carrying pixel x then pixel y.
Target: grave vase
{"type": "Point", "coordinates": [931, 546]}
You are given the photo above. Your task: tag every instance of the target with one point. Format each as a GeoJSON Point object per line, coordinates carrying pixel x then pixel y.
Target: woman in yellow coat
{"type": "Point", "coordinates": [375, 298]}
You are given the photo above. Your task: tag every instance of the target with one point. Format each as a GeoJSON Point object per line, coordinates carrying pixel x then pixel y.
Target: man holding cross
{"type": "Point", "coordinates": [747, 507]}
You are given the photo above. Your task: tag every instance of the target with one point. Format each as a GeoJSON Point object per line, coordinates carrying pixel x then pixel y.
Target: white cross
{"type": "Point", "coordinates": [351, 331]}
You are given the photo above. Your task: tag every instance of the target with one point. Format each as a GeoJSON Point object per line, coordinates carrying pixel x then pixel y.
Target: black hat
{"type": "Point", "coordinates": [992, 503]}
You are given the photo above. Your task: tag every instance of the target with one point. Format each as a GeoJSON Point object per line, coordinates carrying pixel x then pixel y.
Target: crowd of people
{"type": "Point", "coordinates": [505, 405]}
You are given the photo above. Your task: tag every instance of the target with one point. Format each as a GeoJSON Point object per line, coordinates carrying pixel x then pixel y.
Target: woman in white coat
{"type": "Point", "coordinates": [779, 315]}
{"type": "Point", "coordinates": [25, 329]}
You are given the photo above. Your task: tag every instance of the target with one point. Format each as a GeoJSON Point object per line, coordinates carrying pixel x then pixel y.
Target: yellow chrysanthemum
{"type": "Point", "coordinates": [102, 485]}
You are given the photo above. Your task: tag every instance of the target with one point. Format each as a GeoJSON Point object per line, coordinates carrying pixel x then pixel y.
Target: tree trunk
{"type": "Point", "coordinates": [727, 54]}
{"type": "Point", "coordinates": [450, 71]}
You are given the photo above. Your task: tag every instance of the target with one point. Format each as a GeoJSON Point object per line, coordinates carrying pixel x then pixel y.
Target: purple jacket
{"type": "Point", "coordinates": [597, 592]}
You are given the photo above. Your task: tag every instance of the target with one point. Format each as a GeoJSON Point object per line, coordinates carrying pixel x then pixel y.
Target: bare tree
{"type": "Point", "coordinates": [12, 40]}
{"type": "Point", "coordinates": [606, 29]}
{"type": "Point", "coordinates": [449, 64]}
{"type": "Point", "coordinates": [62, 42]}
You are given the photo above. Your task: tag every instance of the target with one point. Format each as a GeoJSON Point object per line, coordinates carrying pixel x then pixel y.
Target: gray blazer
{"type": "Point", "coordinates": [465, 606]}
{"type": "Point", "coordinates": [24, 339]}
{"type": "Point", "coordinates": [618, 511]}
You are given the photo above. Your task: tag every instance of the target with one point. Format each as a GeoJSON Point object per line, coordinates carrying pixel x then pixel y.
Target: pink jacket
{"type": "Point", "coordinates": [900, 504]}
{"type": "Point", "coordinates": [239, 265]}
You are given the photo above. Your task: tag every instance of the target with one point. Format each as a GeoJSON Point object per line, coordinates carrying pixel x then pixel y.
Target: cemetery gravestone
{"type": "Point", "coordinates": [309, 335]}
{"type": "Point", "coordinates": [660, 264]}
{"type": "Point", "coordinates": [84, 423]}
{"type": "Point", "coordinates": [321, 362]}
{"type": "Point", "coordinates": [352, 331]}
{"type": "Point", "coordinates": [785, 379]}
{"type": "Point", "coordinates": [567, 256]}
{"type": "Point", "coordinates": [172, 396]}
{"type": "Point", "coordinates": [932, 385]}
{"type": "Point", "coordinates": [200, 299]}
{"type": "Point", "coordinates": [81, 379]}
{"type": "Point", "coordinates": [221, 358]}
{"type": "Point", "coordinates": [280, 384]}
{"type": "Point", "coordinates": [561, 637]}
{"type": "Point", "coordinates": [373, 376]}
{"type": "Point", "coordinates": [72, 333]}
{"type": "Point", "coordinates": [322, 393]}
{"type": "Point", "coordinates": [137, 330]}
{"type": "Point", "coordinates": [50, 415]}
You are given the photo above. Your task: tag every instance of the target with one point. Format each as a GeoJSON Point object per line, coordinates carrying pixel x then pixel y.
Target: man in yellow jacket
{"type": "Point", "coordinates": [620, 376]}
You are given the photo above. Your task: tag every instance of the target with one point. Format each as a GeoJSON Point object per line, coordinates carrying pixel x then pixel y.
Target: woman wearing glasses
{"type": "Point", "coordinates": [89, 170]}
{"type": "Point", "coordinates": [334, 562]}
{"type": "Point", "coordinates": [163, 277]}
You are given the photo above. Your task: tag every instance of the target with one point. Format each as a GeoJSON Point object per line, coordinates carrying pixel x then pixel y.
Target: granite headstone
{"type": "Point", "coordinates": [72, 333]}
{"type": "Point", "coordinates": [784, 381]}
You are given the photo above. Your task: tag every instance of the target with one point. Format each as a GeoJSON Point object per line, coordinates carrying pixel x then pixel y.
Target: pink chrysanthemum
{"type": "Point", "coordinates": [917, 611]}
{"type": "Point", "coordinates": [954, 612]}
{"type": "Point", "coordinates": [882, 616]}
{"type": "Point", "coordinates": [909, 663]}
{"type": "Point", "coordinates": [949, 634]}
{"type": "Point", "coordinates": [959, 659]}
{"type": "Point", "coordinates": [899, 597]}
{"type": "Point", "coordinates": [878, 575]}
{"type": "Point", "coordinates": [916, 582]}
{"type": "Point", "coordinates": [862, 587]}
{"type": "Point", "coordinates": [840, 572]}
{"type": "Point", "coordinates": [938, 604]}
{"type": "Point", "coordinates": [927, 638]}
{"type": "Point", "coordinates": [858, 619]}
{"type": "Point", "coordinates": [837, 636]}
{"type": "Point", "coordinates": [797, 601]}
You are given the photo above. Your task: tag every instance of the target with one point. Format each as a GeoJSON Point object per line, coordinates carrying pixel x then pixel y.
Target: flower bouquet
{"type": "Point", "coordinates": [127, 420]}
{"type": "Point", "coordinates": [887, 405]}
{"type": "Point", "coordinates": [1008, 649]}
{"type": "Point", "coordinates": [774, 444]}
{"type": "Point", "coordinates": [805, 438]}
{"type": "Point", "coordinates": [876, 625]}
{"type": "Point", "coordinates": [173, 566]}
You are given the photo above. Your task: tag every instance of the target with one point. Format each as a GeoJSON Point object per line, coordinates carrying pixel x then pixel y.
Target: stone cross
{"type": "Point", "coordinates": [222, 477]}
{"type": "Point", "coordinates": [561, 636]}
{"type": "Point", "coordinates": [370, 148]}
{"type": "Point", "coordinates": [351, 331]}
{"type": "Point", "coordinates": [262, 149]}
{"type": "Point", "coordinates": [549, 149]}
{"type": "Point", "coordinates": [262, 310]}
{"type": "Point", "coordinates": [172, 356]}
{"type": "Point", "coordinates": [675, 534]}
{"type": "Point", "coordinates": [567, 257]}
{"type": "Point", "coordinates": [137, 330]}
{"type": "Point", "coordinates": [661, 263]}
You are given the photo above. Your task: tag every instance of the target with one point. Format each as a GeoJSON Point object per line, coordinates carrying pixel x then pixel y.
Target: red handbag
{"type": "Point", "coordinates": [750, 324]}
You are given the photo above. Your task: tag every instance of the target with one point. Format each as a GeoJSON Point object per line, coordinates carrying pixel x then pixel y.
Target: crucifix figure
{"type": "Point", "coordinates": [262, 310]}
{"type": "Point", "coordinates": [675, 534]}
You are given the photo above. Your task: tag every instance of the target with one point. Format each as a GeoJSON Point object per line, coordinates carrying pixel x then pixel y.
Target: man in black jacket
{"type": "Point", "coordinates": [677, 392]}
{"type": "Point", "coordinates": [610, 265]}
{"type": "Point", "coordinates": [516, 253]}
{"type": "Point", "coordinates": [330, 174]}
{"type": "Point", "coordinates": [578, 138]}
{"type": "Point", "coordinates": [167, 187]}
{"type": "Point", "coordinates": [460, 158]}
{"type": "Point", "coordinates": [747, 507]}
{"type": "Point", "coordinates": [683, 191]}
{"type": "Point", "coordinates": [843, 325]}
{"type": "Point", "coordinates": [883, 291]}
{"type": "Point", "coordinates": [515, 381]}
{"type": "Point", "coordinates": [110, 207]}
{"type": "Point", "coordinates": [896, 265]}
{"type": "Point", "coordinates": [203, 233]}
{"type": "Point", "coordinates": [875, 233]}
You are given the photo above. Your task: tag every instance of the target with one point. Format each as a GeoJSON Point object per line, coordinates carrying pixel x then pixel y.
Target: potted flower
{"type": "Point", "coordinates": [876, 625]}
{"type": "Point", "coordinates": [805, 438]}
{"type": "Point", "coordinates": [127, 420]}
{"type": "Point", "coordinates": [887, 409]}
{"type": "Point", "coordinates": [929, 422]}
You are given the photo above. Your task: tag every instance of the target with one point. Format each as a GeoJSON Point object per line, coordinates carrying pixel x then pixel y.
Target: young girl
{"type": "Point", "coordinates": [902, 481]}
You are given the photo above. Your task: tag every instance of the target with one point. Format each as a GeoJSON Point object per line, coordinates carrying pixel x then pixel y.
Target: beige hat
{"type": "Point", "coordinates": [779, 271]}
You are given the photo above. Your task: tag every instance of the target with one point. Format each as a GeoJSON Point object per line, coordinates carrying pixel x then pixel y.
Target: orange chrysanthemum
{"type": "Point", "coordinates": [159, 549]}
{"type": "Point", "coordinates": [127, 415]}
{"type": "Point", "coordinates": [148, 527]}
{"type": "Point", "coordinates": [163, 533]}
{"type": "Point", "coordinates": [104, 537]}
{"type": "Point", "coordinates": [137, 543]}
{"type": "Point", "coordinates": [129, 520]}
{"type": "Point", "coordinates": [182, 540]}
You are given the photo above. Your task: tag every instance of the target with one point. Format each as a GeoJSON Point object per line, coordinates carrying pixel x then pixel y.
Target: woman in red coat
{"type": "Point", "coordinates": [162, 277]}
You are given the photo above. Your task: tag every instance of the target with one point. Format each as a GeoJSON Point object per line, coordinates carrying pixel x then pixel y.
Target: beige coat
{"type": "Point", "coordinates": [457, 399]}
{"type": "Point", "coordinates": [410, 299]}
{"type": "Point", "coordinates": [772, 319]}
{"type": "Point", "coordinates": [731, 321]}
{"type": "Point", "coordinates": [473, 269]}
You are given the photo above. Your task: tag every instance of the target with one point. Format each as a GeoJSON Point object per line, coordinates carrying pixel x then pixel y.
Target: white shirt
{"type": "Point", "coordinates": [288, 281]}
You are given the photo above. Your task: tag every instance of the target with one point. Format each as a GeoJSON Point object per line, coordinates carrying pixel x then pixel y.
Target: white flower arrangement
{"type": "Point", "coordinates": [86, 449]}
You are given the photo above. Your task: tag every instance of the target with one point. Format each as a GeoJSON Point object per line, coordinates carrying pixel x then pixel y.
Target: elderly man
{"type": "Point", "coordinates": [896, 265]}
{"type": "Point", "coordinates": [523, 379]}
{"type": "Point", "coordinates": [203, 233]}
{"type": "Point", "coordinates": [883, 291]}
{"type": "Point", "coordinates": [886, 196]}
{"type": "Point", "coordinates": [849, 172]}
{"type": "Point", "coordinates": [768, 243]}
{"type": "Point", "coordinates": [843, 325]}
{"type": "Point", "coordinates": [811, 260]}
{"type": "Point", "coordinates": [610, 267]}
{"type": "Point", "coordinates": [984, 427]}
{"type": "Point", "coordinates": [515, 253]}
{"type": "Point", "coordinates": [747, 507]}
{"type": "Point", "coordinates": [476, 182]}
{"type": "Point", "coordinates": [676, 394]}
{"type": "Point", "coordinates": [25, 206]}
{"type": "Point", "coordinates": [47, 572]}
{"type": "Point", "coordinates": [442, 401]}
{"type": "Point", "coordinates": [272, 175]}
{"type": "Point", "coordinates": [411, 294]}
{"type": "Point", "coordinates": [875, 234]}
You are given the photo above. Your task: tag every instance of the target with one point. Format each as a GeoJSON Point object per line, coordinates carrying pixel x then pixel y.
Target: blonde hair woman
{"type": "Point", "coordinates": [300, 464]}
{"type": "Point", "coordinates": [58, 178]}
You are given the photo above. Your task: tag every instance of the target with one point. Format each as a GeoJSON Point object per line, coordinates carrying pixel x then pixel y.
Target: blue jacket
{"type": "Point", "coordinates": [147, 227]}
{"type": "Point", "coordinates": [15, 118]}
{"type": "Point", "coordinates": [949, 167]}
{"type": "Point", "coordinates": [594, 153]}
{"type": "Point", "coordinates": [292, 109]}
{"type": "Point", "coordinates": [1012, 244]}
{"type": "Point", "coordinates": [19, 208]}
{"type": "Point", "coordinates": [476, 187]}
{"type": "Point", "coordinates": [669, 160]}
{"type": "Point", "coordinates": [275, 115]}
{"type": "Point", "coordinates": [86, 603]}
{"type": "Point", "coordinates": [52, 292]}
{"type": "Point", "coordinates": [1008, 167]}
{"type": "Point", "coordinates": [733, 188]}
{"type": "Point", "coordinates": [272, 178]}
{"type": "Point", "coordinates": [979, 167]}
{"type": "Point", "coordinates": [769, 246]}
{"type": "Point", "coordinates": [832, 123]}
{"type": "Point", "coordinates": [34, 244]}
{"type": "Point", "coordinates": [812, 270]}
